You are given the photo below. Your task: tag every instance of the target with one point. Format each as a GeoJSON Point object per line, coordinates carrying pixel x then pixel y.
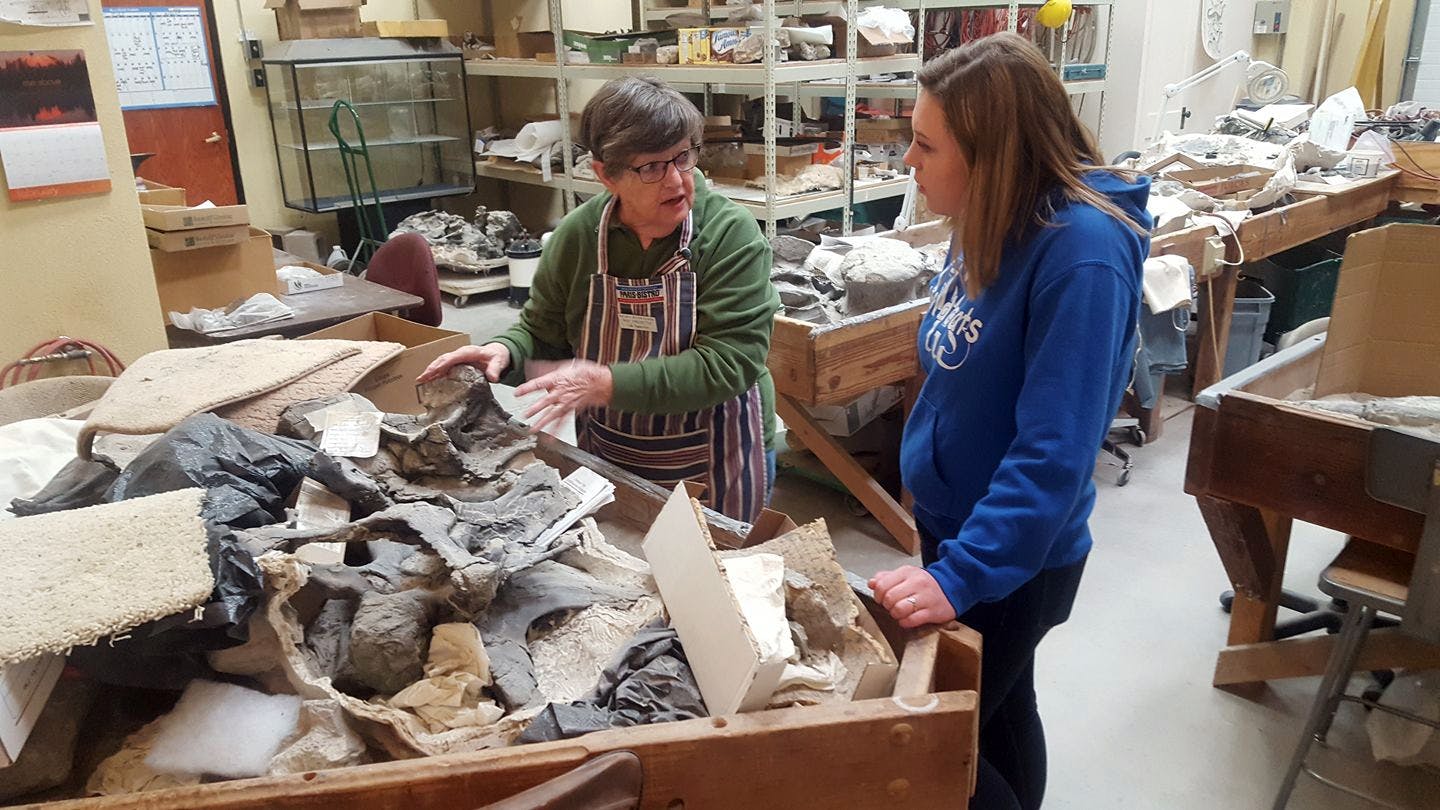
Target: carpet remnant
{"type": "Point", "coordinates": [262, 413]}
{"type": "Point", "coordinates": [162, 388]}
{"type": "Point", "coordinates": [67, 562]}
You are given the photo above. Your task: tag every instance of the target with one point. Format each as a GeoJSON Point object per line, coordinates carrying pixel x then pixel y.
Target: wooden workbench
{"type": "Point", "coordinates": [313, 310]}
{"type": "Point", "coordinates": [1319, 212]}
{"type": "Point", "coordinates": [1257, 464]}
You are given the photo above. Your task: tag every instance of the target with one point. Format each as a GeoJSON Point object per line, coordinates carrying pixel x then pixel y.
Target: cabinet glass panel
{"type": "Point", "coordinates": [414, 122]}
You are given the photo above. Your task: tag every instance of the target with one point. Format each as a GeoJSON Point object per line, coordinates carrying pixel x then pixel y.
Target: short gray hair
{"type": "Point", "coordinates": [636, 116]}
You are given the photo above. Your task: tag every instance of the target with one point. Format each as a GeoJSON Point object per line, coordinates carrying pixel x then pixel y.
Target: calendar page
{"type": "Point", "coordinates": [159, 56]}
{"type": "Point", "coordinates": [50, 142]}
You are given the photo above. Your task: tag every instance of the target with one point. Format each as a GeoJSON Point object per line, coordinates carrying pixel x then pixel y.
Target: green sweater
{"type": "Point", "coordinates": [735, 302]}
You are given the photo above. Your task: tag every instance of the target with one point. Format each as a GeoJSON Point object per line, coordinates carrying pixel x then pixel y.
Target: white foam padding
{"type": "Point", "coordinates": [224, 730]}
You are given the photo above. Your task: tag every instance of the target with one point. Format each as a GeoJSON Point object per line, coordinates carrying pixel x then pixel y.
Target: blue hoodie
{"type": "Point", "coordinates": [1022, 385]}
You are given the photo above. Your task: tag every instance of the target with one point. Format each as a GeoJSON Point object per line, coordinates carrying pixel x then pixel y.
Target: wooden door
{"type": "Point", "coordinates": [173, 96]}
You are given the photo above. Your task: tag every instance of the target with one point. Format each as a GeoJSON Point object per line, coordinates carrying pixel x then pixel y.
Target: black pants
{"type": "Point", "coordinates": [1012, 739]}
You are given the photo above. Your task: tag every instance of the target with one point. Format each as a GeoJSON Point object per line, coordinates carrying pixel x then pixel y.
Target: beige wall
{"type": "Point", "coordinates": [1302, 45]}
{"type": "Point", "coordinates": [79, 266]}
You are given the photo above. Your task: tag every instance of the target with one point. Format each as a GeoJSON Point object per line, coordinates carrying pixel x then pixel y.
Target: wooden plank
{"type": "Point", "coordinates": [1307, 465]}
{"type": "Point", "coordinates": [870, 754]}
{"type": "Point", "coordinates": [866, 489]}
{"type": "Point", "coordinates": [792, 358]}
{"type": "Point", "coordinates": [864, 353]}
{"type": "Point", "coordinates": [1189, 243]}
{"type": "Point", "coordinates": [1217, 304]}
{"type": "Point", "coordinates": [917, 665]}
{"type": "Point", "coordinates": [1292, 225]}
{"type": "Point", "coordinates": [1243, 539]}
{"type": "Point", "coordinates": [1386, 648]}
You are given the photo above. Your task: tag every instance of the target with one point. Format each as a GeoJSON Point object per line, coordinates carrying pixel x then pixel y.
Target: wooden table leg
{"type": "Point", "coordinates": [894, 517]}
{"type": "Point", "coordinates": [1217, 305]}
{"type": "Point", "coordinates": [1252, 544]}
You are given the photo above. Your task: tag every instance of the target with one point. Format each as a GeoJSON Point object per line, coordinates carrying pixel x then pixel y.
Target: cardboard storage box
{"type": "Point", "coordinates": [391, 385]}
{"type": "Point", "coordinates": [214, 276]}
{"type": "Point", "coordinates": [406, 29]}
{"type": "Point", "coordinates": [153, 193]}
{"type": "Point", "coordinates": [1384, 338]}
{"type": "Point", "coordinates": [882, 130]}
{"type": "Point", "coordinates": [870, 42]}
{"type": "Point", "coordinates": [180, 217]}
{"type": "Point", "coordinates": [316, 19]}
{"type": "Point", "coordinates": [609, 49]}
{"type": "Point", "coordinates": [524, 44]}
{"type": "Point", "coordinates": [197, 238]}
{"type": "Point", "coordinates": [789, 158]}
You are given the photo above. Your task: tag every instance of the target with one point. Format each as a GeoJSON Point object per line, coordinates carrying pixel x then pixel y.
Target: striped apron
{"type": "Point", "coordinates": [627, 321]}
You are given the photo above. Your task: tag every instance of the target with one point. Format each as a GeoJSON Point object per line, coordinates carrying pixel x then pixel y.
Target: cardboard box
{"type": "Point", "coordinates": [197, 238]}
{"type": "Point", "coordinates": [329, 279]}
{"type": "Point", "coordinates": [1384, 337]}
{"type": "Point", "coordinates": [883, 130]}
{"type": "Point", "coordinates": [182, 218]}
{"type": "Point", "coordinates": [789, 158]}
{"type": "Point", "coordinates": [24, 689]}
{"type": "Point", "coordinates": [524, 44]}
{"type": "Point", "coordinates": [694, 46]}
{"type": "Point", "coordinates": [316, 19]}
{"type": "Point", "coordinates": [213, 277]}
{"type": "Point", "coordinates": [724, 656]}
{"type": "Point", "coordinates": [610, 49]}
{"type": "Point", "coordinates": [406, 29]}
{"type": "Point", "coordinates": [869, 41]}
{"type": "Point", "coordinates": [153, 193]}
{"type": "Point", "coordinates": [391, 385]}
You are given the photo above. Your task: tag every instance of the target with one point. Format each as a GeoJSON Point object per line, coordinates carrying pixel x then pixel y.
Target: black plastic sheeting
{"type": "Point", "coordinates": [249, 475]}
{"type": "Point", "coordinates": [649, 682]}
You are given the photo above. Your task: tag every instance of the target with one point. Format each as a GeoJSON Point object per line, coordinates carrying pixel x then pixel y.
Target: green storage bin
{"type": "Point", "coordinates": [1303, 281]}
{"type": "Point", "coordinates": [609, 49]}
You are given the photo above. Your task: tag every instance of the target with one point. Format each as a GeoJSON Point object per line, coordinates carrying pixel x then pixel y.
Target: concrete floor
{"type": "Point", "coordinates": [1124, 686]}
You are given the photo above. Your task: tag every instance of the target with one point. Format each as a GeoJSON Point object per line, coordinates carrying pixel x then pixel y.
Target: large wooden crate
{"type": "Point", "coordinates": [828, 364]}
{"type": "Point", "coordinates": [1420, 165]}
{"type": "Point", "coordinates": [914, 749]}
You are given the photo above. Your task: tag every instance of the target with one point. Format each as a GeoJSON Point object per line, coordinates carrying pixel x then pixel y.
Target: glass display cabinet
{"type": "Point", "coordinates": [410, 99]}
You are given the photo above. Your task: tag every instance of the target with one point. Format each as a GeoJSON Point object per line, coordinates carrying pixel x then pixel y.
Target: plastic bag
{"type": "Point", "coordinates": [249, 475]}
{"type": "Point", "coordinates": [893, 22]}
{"type": "Point", "coordinates": [1399, 740]}
{"type": "Point", "coordinates": [258, 308]}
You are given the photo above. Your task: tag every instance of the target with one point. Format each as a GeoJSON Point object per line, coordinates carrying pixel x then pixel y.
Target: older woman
{"type": "Point", "coordinates": [659, 289]}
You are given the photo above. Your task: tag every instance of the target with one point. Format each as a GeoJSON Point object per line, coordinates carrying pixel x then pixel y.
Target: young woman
{"type": "Point", "coordinates": [1028, 345]}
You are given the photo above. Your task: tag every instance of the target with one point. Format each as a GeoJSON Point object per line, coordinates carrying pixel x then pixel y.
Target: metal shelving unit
{"type": "Point", "coordinates": [767, 78]}
{"type": "Point", "coordinates": [751, 200]}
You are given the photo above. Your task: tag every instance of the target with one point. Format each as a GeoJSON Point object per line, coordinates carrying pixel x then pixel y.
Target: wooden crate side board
{"type": "Point", "coordinates": [916, 752]}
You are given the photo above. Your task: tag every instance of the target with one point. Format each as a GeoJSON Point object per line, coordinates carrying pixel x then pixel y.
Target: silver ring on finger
{"type": "Point", "coordinates": [913, 603]}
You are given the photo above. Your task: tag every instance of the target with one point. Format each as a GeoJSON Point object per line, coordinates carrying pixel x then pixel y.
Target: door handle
{"type": "Point", "coordinates": [213, 137]}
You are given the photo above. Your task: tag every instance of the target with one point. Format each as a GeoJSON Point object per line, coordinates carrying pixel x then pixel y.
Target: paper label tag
{"type": "Point", "coordinates": [638, 323]}
{"type": "Point", "coordinates": [353, 435]}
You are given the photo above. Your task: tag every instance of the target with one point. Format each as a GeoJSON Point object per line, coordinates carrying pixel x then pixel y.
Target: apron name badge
{"type": "Point", "coordinates": [638, 323]}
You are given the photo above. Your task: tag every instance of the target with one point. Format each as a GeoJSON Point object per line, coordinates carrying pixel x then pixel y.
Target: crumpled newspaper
{"type": "Point", "coordinates": [456, 671]}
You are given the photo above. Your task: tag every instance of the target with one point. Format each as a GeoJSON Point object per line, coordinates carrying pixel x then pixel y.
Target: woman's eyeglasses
{"type": "Point", "coordinates": [655, 171]}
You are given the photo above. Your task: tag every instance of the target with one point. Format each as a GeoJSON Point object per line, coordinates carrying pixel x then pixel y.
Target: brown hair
{"type": "Point", "coordinates": [1012, 118]}
{"type": "Point", "coordinates": [636, 116]}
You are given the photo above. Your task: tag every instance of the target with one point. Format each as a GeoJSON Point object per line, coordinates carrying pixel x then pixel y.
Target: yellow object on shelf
{"type": "Point", "coordinates": [1054, 13]}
